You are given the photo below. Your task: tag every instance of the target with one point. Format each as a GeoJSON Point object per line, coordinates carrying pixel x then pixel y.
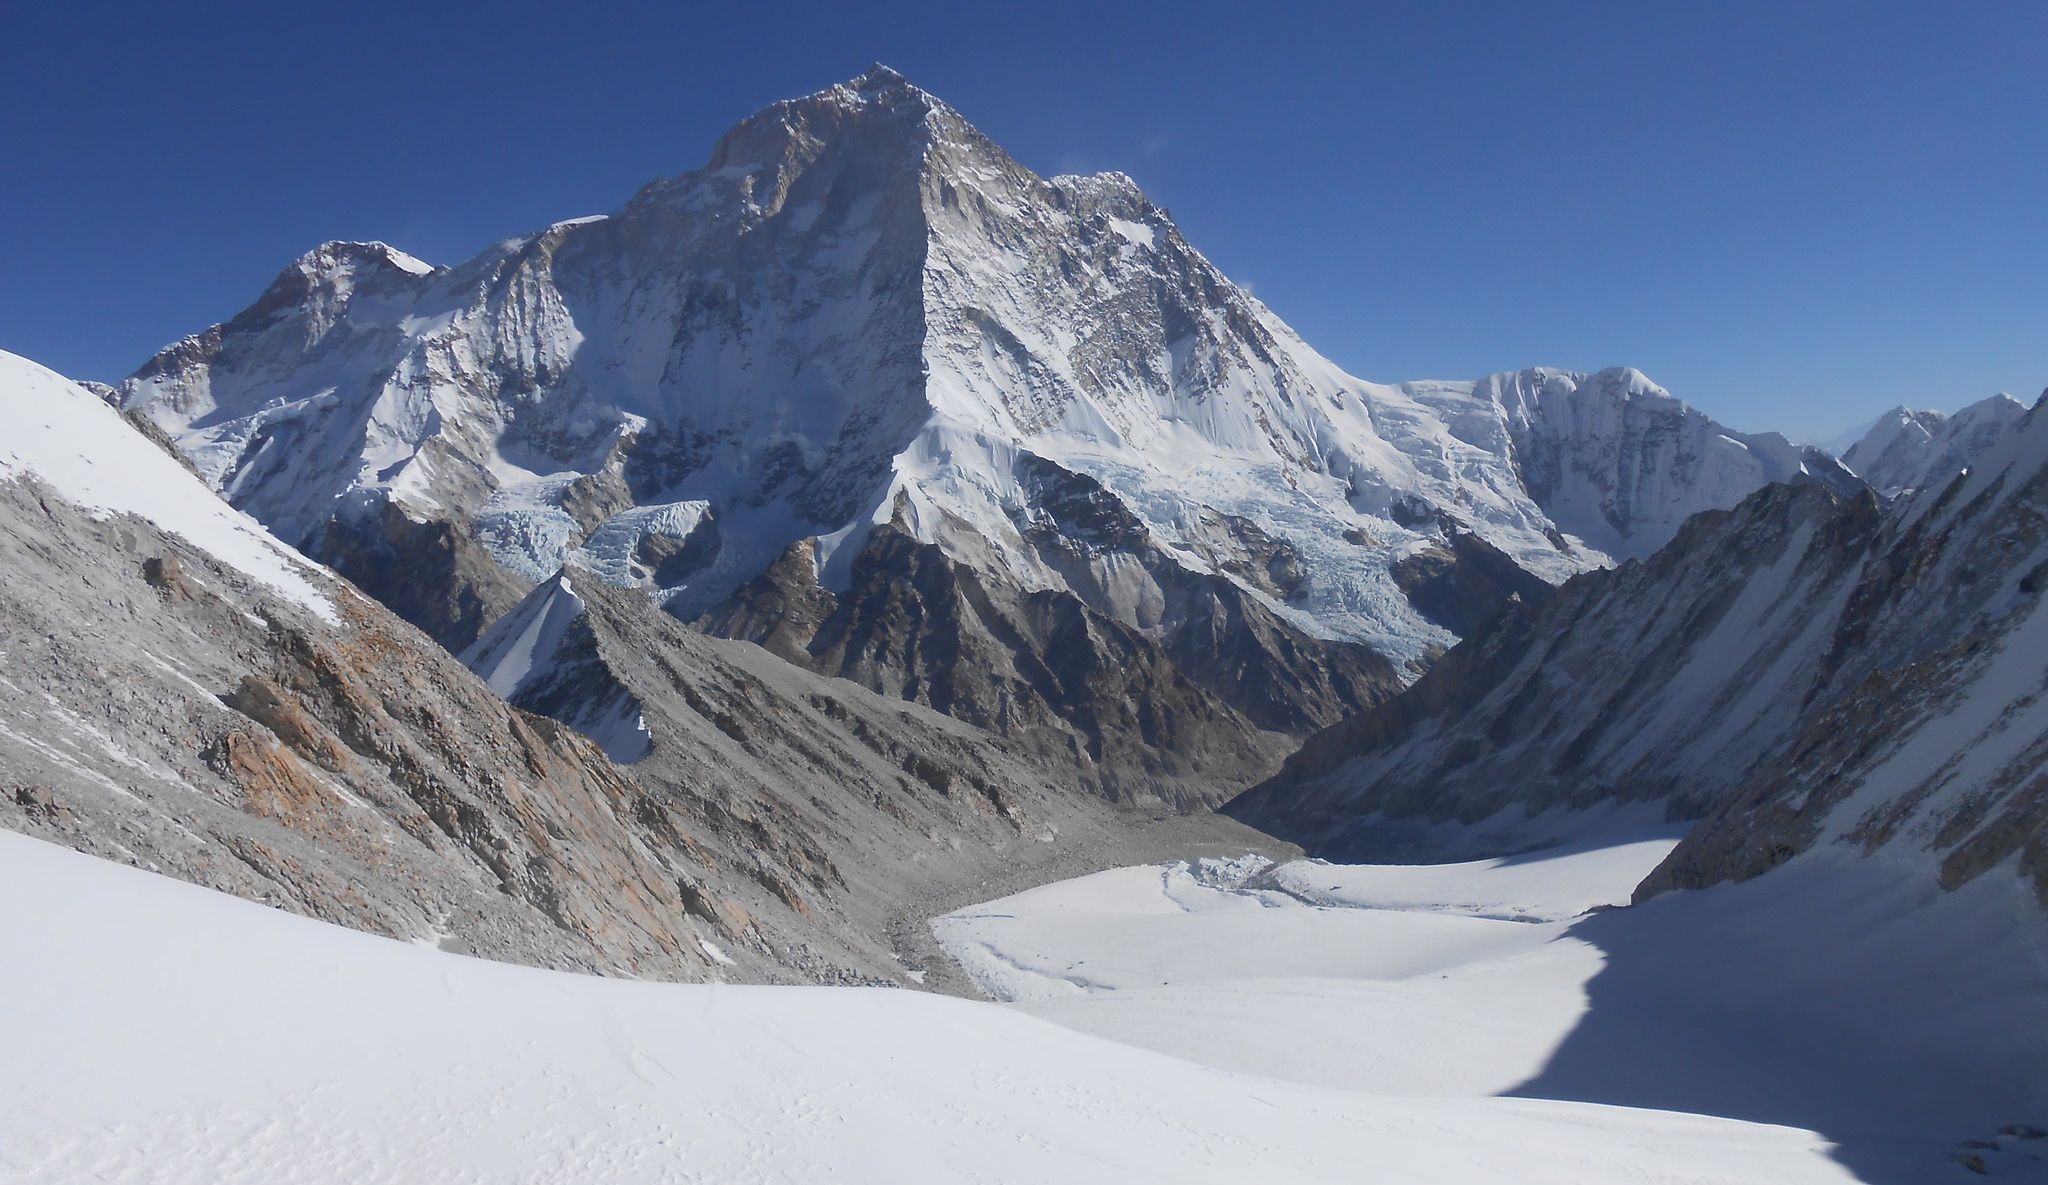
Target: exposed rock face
{"type": "Point", "coordinates": [1907, 450]}
{"type": "Point", "coordinates": [1465, 582]}
{"type": "Point", "coordinates": [1805, 669]}
{"type": "Point", "coordinates": [432, 573]}
{"type": "Point", "coordinates": [863, 316]}
{"type": "Point", "coordinates": [1194, 702]}
{"type": "Point", "coordinates": [1038, 666]}
{"type": "Point", "coordinates": [262, 728]}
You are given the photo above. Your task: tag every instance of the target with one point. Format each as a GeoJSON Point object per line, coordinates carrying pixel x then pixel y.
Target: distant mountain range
{"type": "Point", "coordinates": [1905, 450]}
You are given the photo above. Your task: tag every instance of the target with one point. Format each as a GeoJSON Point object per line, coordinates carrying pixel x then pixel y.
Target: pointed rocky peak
{"type": "Point", "coordinates": [329, 274]}
{"type": "Point", "coordinates": [879, 90]}
{"type": "Point", "coordinates": [876, 125]}
{"type": "Point", "coordinates": [1899, 423]}
{"type": "Point", "coordinates": [882, 82]}
{"type": "Point", "coordinates": [880, 101]}
{"type": "Point", "coordinates": [340, 255]}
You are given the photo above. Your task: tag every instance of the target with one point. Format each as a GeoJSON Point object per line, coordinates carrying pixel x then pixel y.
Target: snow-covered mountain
{"type": "Point", "coordinates": [1907, 450]}
{"type": "Point", "coordinates": [1804, 671]}
{"type": "Point", "coordinates": [862, 331]}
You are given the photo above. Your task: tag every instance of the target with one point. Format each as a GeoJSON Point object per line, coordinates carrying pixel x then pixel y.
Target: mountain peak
{"type": "Point", "coordinates": [879, 103]}
{"type": "Point", "coordinates": [2004, 401]}
{"type": "Point", "coordinates": [880, 78]}
{"type": "Point", "coordinates": [879, 86]}
{"type": "Point", "coordinates": [328, 274]}
{"type": "Point", "coordinates": [345, 254]}
{"type": "Point", "coordinates": [862, 302]}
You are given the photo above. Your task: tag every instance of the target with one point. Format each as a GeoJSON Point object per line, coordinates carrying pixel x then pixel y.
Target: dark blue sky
{"type": "Point", "coordinates": [1792, 215]}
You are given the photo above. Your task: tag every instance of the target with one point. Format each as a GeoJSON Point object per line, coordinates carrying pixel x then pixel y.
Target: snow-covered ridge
{"type": "Point", "coordinates": [1804, 673]}
{"type": "Point", "coordinates": [69, 438]}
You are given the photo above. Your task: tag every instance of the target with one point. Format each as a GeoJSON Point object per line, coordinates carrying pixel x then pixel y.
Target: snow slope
{"type": "Point", "coordinates": [1832, 994]}
{"type": "Point", "coordinates": [522, 643]}
{"type": "Point", "coordinates": [72, 440]}
{"type": "Point", "coordinates": [182, 1036]}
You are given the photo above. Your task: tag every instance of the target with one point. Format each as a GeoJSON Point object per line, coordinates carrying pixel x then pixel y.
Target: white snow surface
{"type": "Point", "coordinates": [189, 1038]}
{"type": "Point", "coordinates": [1415, 980]}
{"type": "Point", "coordinates": [82, 448]}
{"type": "Point", "coordinates": [1834, 993]}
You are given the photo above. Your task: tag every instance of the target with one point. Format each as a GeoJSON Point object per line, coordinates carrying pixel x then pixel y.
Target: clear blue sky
{"type": "Point", "coordinates": [1791, 214]}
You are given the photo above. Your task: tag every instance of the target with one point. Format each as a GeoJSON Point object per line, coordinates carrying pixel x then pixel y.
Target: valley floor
{"type": "Point", "coordinates": [1226, 1021]}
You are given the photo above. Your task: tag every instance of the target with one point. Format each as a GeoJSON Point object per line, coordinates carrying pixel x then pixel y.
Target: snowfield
{"type": "Point", "coordinates": [1396, 980]}
{"type": "Point", "coordinates": [160, 1032]}
{"type": "Point", "coordinates": [1835, 994]}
